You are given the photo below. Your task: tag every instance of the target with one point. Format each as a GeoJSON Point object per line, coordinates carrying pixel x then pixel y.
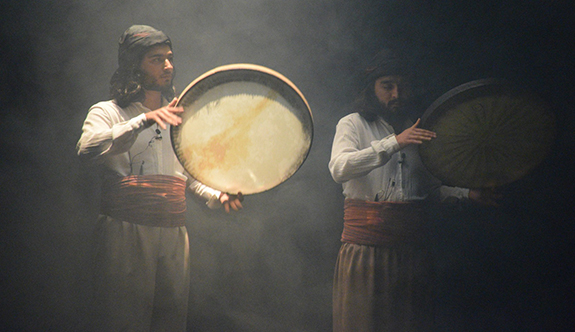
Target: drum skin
{"type": "Point", "coordinates": [245, 128]}
{"type": "Point", "coordinates": [489, 133]}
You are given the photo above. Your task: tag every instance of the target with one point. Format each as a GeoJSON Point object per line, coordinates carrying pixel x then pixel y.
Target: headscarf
{"type": "Point", "coordinates": [385, 63]}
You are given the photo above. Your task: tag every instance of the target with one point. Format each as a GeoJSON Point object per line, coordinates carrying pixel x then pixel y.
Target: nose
{"type": "Point", "coordinates": [395, 92]}
{"type": "Point", "coordinates": [168, 65]}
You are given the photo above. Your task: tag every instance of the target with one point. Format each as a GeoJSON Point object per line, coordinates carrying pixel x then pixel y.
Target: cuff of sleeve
{"type": "Point", "coordinates": [214, 202]}
{"type": "Point", "coordinates": [139, 123]}
{"type": "Point", "coordinates": [388, 144]}
{"type": "Point", "coordinates": [212, 196]}
{"type": "Point", "coordinates": [461, 194]}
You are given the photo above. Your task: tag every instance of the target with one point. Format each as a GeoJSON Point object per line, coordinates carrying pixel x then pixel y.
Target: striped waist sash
{"type": "Point", "coordinates": [152, 200]}
{"type": "Point", "coordinates": [379, 223]}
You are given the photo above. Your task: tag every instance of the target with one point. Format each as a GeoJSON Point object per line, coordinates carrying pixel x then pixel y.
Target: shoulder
{"type": "Point", "coordinates": [354, 120]}
{"type": "Point", "coordinates": [106, 106]}
{"type": "Point", "coordinates": [110, 112]}
{"type": "Point", "coordinates": [112, 108]}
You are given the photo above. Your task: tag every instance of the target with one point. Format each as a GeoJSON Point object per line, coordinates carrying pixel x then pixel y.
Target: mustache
{"type": "Point", "coordinates": [395, 103]}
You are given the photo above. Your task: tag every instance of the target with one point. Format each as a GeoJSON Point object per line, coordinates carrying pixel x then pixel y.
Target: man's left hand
{"type": "Point", "coordinates": [233, 201]}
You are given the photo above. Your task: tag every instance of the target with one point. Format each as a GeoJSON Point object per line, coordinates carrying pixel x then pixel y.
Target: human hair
{"type": "Point", "coordinates": [366, 103]}
{"type": "Point", "coordinates": [126, 85]}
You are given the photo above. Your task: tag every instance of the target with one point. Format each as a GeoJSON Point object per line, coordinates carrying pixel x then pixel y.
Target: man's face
{"type": "Point", "coordinates": [158, 68]}
{"type": "Point", "coordinates": [392, 92]}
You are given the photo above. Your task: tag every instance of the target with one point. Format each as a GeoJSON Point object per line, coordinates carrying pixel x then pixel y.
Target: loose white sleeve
{"type": "Point", "coordinates": [349, 162]}
{"type": "Point", "coordinates": [446, 193]}
{"type": "Point", "coordinates": [101, 136]}
{"type": "Point", "coordinates": [212, 196]}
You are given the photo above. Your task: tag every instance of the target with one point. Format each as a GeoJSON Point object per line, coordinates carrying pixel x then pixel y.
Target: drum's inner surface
{"type": "Point", "coordinates": [242, 136]}
{"type": "Point", "coordinates": [488, 135]}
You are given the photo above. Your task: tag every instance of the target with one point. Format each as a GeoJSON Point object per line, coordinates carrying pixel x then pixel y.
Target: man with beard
{"type": "Point", "coordinates": [384, 272]}
{"type": "Point", "coordinates": [141, 267]}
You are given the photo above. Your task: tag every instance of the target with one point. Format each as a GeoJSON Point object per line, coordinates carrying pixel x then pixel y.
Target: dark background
{"type": "Point", "coordinates": [269, 268]}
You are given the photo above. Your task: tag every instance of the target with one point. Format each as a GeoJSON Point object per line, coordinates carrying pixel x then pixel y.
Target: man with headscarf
{"type": "Point", "coordinates": [142, 259]}
{"type": "Point", "coordinates": [384, 272]}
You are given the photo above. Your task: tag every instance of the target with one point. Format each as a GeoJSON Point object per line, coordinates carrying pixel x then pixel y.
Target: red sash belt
{"type": "Point", "coordinates": [380, 223]}
{"type": "Point", "coordinates": [152, 200]}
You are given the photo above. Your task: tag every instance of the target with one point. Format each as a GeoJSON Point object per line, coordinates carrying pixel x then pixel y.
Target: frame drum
{"type": "Point", "coordinates": [245, 128]}
{"type": "Point", "coordinates": [489, 133]}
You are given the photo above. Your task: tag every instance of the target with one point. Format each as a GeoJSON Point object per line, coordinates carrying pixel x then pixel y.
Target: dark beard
{"type": "Point", "coordinates": [394, 115]}
{"type": "Point", "coordinates": [166, 90]}
{"type": "Point", "coordinates": [152, 85]}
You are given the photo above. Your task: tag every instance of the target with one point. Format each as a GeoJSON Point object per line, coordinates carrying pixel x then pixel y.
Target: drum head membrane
{"type": "Point", "coordinates": [246, 131]}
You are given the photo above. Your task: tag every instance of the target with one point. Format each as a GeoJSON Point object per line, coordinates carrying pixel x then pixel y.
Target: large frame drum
{"type": "Point", "coordinates": [489, 133]}
{"type": "Point", "coordinates": [245, 128]}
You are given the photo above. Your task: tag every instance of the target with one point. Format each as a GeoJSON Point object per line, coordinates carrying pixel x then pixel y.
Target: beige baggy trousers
{"type": "Point", "coordinates": [142, 277]}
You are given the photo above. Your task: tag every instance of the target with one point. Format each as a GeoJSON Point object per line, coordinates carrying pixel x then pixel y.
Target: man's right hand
{"type": "Point", "coordinates": [167, 114]}
{"type": "Point", "coordinates": [414, 135]}
{"type": "Point", "coordinates": [485, 196]}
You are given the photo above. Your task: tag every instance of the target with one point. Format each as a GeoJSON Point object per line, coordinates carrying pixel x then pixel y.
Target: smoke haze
{"type": "Point", "coordinates": [269, 267]}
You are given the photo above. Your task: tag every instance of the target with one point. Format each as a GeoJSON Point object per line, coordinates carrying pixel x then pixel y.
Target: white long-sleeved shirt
{"type": "Point", "coordinates": [121, 140]}
{"type": "Point", "coordinates": [367, 161]}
